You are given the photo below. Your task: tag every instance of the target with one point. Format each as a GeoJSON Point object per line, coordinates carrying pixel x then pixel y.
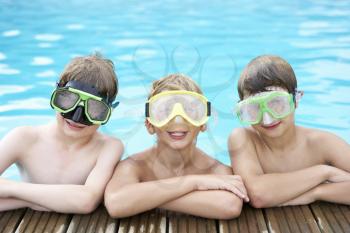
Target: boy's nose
{"type": "Point", "coordinates": [267, 119]}
{"type": "Point", "coordinates": [178, 119]}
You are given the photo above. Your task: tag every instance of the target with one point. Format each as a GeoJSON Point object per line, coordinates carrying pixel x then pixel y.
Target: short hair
{"type": "Point", "coordinates": [94, 70]}
{"type": "Point", "coordinates": [174, 82]}
{"type": "Point", "coordinates": [264, 71]}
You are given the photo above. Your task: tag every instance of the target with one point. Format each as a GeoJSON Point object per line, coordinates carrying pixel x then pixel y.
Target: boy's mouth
{"type": "Point", "coordinates": [74, 126]}
{"type": "Point", "coordinates": [177, 135]}
{"type": "Point", "coordinates": [272, 126]}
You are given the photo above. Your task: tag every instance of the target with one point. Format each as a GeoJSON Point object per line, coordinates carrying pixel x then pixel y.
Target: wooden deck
{"type": "Point", "coordinates": [318, 217]}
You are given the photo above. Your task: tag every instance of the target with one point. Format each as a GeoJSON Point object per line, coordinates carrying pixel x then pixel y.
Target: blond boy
{"type": "Point", "coordinates": [174, 174]}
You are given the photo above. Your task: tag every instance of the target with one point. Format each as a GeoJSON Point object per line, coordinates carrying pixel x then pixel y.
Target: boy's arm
{"type": "Point", "coordinates": [12, 146]}
{"type": "Point", "coordinates": [70, 198]}
{"type": "Point", "coordinates": [331, 192]}
{"type": "Point", "coordinates": [10, 204]}
{"type": "Point", "coordinates": [127, 195]}
{"type": "Point", "coordinates": [266, 190]}
{"type": "Point", "coordinates": [217, 204]}
{"type": "Point", "coordinates": [337, 153]}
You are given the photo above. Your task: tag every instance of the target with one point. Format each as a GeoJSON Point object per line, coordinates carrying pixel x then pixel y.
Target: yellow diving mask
{"type": "Point", "coordinates": [163, 107]}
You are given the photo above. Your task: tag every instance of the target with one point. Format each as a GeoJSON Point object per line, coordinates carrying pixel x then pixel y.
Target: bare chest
{"type": "Point", "coordinates": [45, 163]}
{"type": "Point", "coordinates": [287, 161]}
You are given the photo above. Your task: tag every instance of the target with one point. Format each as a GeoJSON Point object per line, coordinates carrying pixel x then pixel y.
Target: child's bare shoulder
{"type": "Point", "coordinates": [136, 162]}
{"type": "Point", "coordinates": [320, 139]}
{"type": "Point", "coordinates": [26, 135]}
{"type": "Point", "coordinates": [241, 138]}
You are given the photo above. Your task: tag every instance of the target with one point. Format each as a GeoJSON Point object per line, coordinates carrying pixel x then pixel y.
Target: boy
{"type": "Point", "coordinates": [174, 174]}
{"type": "Point", "coordinates": [65, 165]}
{"type": "Point", "coordinates": [281, 163]}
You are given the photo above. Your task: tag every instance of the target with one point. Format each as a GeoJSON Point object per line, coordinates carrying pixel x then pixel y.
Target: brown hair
{"type": "Point", "coordinates": [265, 71]}
{"type": "Point", "coordinates": [174, 82]}
{"type": "Point", "coordinates": [95, 70]}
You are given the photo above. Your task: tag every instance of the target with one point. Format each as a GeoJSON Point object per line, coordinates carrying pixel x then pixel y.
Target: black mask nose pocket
{"type": "Point", "coordinates": [77, 115]}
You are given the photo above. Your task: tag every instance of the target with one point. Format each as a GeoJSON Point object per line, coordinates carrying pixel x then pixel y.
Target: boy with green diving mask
{"type": "Point", "coordinates": [282, 163]}
{"type": "Point", "coordinates": [65, 165]}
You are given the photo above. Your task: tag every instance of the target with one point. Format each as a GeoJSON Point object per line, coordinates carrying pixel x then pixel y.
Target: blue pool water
{"type": "Point", "coordinates": [209, 40]}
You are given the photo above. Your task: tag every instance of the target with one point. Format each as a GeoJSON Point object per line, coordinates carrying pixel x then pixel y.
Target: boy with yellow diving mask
{"type": "Point", "coordinates": [174, 174]}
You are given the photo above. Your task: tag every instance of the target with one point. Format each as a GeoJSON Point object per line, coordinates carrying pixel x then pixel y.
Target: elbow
{"type": "Point", "coordinates": [113, 207]}
{"type": "Point", "coordinates": [258, 198]}
{"type": "Point", "coordinates": [87, 203]}
{"type": "Point", "coordinates": [232, 207]}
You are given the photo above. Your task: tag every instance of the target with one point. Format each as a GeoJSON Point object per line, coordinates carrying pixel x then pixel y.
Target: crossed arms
{"type": "Point", "coordinates": [210, 196]}
{"type": "Point", "coordinates": [65, 198]}
{"type": "Point", "coordinates": [319, 182]}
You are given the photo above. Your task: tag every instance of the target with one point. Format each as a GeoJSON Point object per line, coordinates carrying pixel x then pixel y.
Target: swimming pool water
{"type": "Point", "coordinates": [209, 40]}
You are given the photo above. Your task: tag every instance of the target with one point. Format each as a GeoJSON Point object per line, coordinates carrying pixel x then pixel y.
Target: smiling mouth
{"type": "Point", "coordinates": [74, 126]}
{"type": "Point", "coordinates": [177, 135]}
{"type": "Point", "coordinates": [272, 126]}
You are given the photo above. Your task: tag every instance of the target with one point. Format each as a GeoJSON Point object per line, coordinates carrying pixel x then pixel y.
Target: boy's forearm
{"type": "Point", "coordinates": [216, 204]}
{"type": "Point", "coordinates": [12, 203]}
{"type": "Point", "coordinates": [135, 198]}
{"type": "Point", "coordinates": [274, 189]}
{"type": "Point", "coordinates": [334, 192]}
{"type": "Point", "coordinates": [59, 198]}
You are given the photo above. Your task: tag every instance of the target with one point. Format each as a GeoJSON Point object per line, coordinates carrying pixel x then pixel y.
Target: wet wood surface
{"type": "Point", "coordinates": [317, 217]}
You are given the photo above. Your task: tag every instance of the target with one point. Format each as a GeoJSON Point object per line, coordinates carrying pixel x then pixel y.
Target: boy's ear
{"type": "Point", "coordinates": [149, 127]}
{"type": "Point", "coordinates": [298, 97]}
{"type": "Point", "coordinates": [203, 127]}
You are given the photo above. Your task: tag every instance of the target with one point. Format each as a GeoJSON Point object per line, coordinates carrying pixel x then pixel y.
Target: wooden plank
{"type": "Point", "coordinates": [112, 225]}
{"type": "Point", "coordinates": [14, 221]}
{"type": "Point", "coordinates": [338, 215]}
{"type": "Point", "coordinates": [172, 218]}
{"type": "Point", "coordinates": [43, 220]}
{"type": "Point", "coordinates": [292, 222]}
{"type": "Point", "coordinates": [144, 222]}
{"type": "Point", "coordinates": [309, 222]}
{"type": "Point", "coordinates": [95, 216]}
{"type": "Point", "coordinates": [62, 223]}
{"type": "Point", "coordinates": [161, 223]}
{"type": "Point", "coordinates": [134, 224]}
{"type": "Point", "coordinates": [182, 223]}
{"type": "Point", "coordinates": [192, 224]}
{"type": "Point", "coordinates": [34, 220]}
{"type": "Point", "coordinates": [151, 222]}
{"type": "Point", "coordinates": [255, 219]}
{"type": "Point", "coordinates": [321, 220]}
{"type": "Point", "coordinates": [74, 223]}
{"type": "Point", "coordinates": [51, 223]}
{"type": "Point", "coordinates": [271, 220]}
{"type": "Point", "coordinates": [6, 217]}
{"type": "Point", "coordinates": [346, 212]}
{"type": "Point", "coordinates": [124, 225]}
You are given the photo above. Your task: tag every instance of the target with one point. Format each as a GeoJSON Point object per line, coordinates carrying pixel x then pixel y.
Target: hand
{"type": "Point", "coordinates": [231, 183]}
{"type": "Point", "coordinates": [337, 175]}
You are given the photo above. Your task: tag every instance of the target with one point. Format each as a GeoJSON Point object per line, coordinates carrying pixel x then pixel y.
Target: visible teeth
{"type": "Point", "coordinates": [178, 134]}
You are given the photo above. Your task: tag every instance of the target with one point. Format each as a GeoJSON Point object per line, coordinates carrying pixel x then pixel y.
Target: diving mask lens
{"type": "Point", "coordinates": [277, 103]}
{"type": "Point", "coordinates": [166, 105]}
{"type": "Point", "coordinates": [97, 110]}
{"type": "Point", "coordinates": [64, 100]}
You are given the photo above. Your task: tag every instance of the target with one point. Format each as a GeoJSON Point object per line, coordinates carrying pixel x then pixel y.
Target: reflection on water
{"type": "Point", "coordinates": [209, 41]}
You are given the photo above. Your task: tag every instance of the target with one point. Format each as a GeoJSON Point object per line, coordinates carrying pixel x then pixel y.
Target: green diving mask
{"type": "Point", "coordinates": [82, 103]}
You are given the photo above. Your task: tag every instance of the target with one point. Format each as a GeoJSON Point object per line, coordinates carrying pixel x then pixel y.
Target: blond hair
{"type": "Point", "coordinates": [94, 70]}
{"type": "Point", "coordinates": [174, 82]}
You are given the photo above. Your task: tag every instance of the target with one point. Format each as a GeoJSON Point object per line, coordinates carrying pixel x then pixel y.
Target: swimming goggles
{"type": "Point", "coordinates": [68, 100]}
{"type": "Point", "coordinates": [193, 107]}
{"type": "Point", "coordinates": [278, 104]}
